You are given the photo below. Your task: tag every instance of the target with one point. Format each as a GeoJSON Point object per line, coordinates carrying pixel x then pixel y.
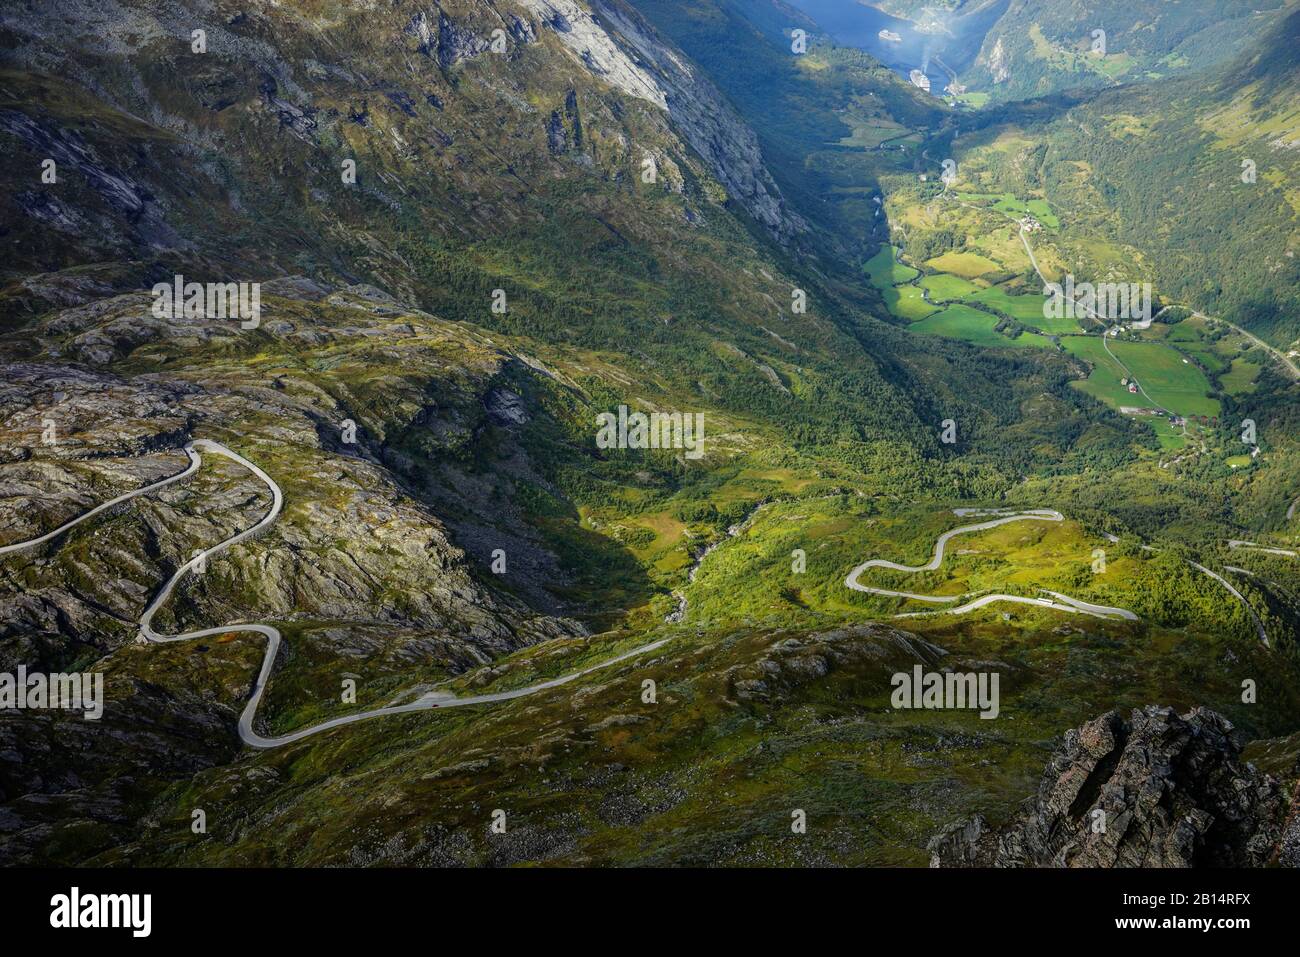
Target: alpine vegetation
{"type": "Point", "coordinates": [1106, 300]}
{"type": "Point", "coordinates": [925, 690]}
{"type": "Point", "coordinates": [442, 566]}
{"type": "Point", "coordinates": [214, 300]}
{"type": "Point", "coordinates": [658, 430]}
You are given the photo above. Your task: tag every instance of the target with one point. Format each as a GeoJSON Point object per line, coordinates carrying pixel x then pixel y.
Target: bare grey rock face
{"type": "Point", "coordinates": [793, 662]}
{"type": "Point", "coordinates": [999, 63]}
{"type": "Point", "coordinates": [557, 140]}
{"type": "Point", "coordinates": [1288, 848]}
{"type": "Point", "coordinates": [1155, 790]}
{"type": "Point", "coordinates": [456, 43]}
{"type": "Point", "coordinates": [615, 43]}
{"type": "Point", "coordinates": [521, 30]}
{"type": "Point", "coordinates": [130, 200]}
{"type": "Point", "coordinates": [506, 408]}
{"type": "Point", "coordinates": [708, 123]}
{"type": "Point", "coordinates": [451, 42]}
{"type": "Point", "coordinates": [598, 50]}
{"type": "Point", "coordinates": [354, 545]}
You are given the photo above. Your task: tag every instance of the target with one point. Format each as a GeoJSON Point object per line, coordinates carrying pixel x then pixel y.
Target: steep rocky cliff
{"type": "Point", "coordinates": [168, 119]}
{"type": "Point", "coordinates": [1153, 790]}
{"type": "Point", "coordinates": [357, 543]}
{"type": "Point", "coordinates": [619, 45]}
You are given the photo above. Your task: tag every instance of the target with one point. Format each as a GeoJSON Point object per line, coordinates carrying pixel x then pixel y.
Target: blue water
{"type": "Point", "coordinates": [850, 23]}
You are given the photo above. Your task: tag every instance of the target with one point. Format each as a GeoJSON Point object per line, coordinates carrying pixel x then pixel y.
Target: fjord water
{"type": "Point", "coordinates": [956, 39]}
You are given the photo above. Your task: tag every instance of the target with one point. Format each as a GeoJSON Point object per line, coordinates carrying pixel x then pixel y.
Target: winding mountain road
{"type": "Point", "coordinates": [1256, 547]}
{"type": "Point", "coordinates": [272, 635]}
{"type": "Point", "coordinates": [98, 509]}
{"type": "Point", "coordinates": [1254, 617]}
{"type": "Point", "coordinates": [1292, 370]}
{"type": "Point", "coordinates": [1063, 602]}
{"type": "Point", "coordinates": [434, 699]}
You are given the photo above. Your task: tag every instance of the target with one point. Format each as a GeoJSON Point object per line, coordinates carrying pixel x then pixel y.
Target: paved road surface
{"type": "Point", "coordinates": [442, 700]}
{"type": "Point", "coordinates": [48, 536]}
{"type": "Point", "coordinates": [1256, 547]}
{"type": "Point", "coordinates": [1289, 367]}
{"type": "Point", "coordinates": [1065, 602]}
{"type": "Point", "coordinates": [1259, 625]}
{"type": "Point", "coordinates": [272, 635]}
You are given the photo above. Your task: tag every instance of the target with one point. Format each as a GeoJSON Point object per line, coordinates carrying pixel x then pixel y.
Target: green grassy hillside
{"type": "Point", "coordinates": [866, 345]}
{"type": "Point", "coordinates": [1040, 47]}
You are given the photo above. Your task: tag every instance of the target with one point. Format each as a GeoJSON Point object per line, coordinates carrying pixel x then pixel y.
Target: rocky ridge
{"type": "Point", "coordinates": [1155, 789]}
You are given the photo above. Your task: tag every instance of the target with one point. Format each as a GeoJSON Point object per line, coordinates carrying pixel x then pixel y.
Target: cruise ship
{"type": "Point", "coordinates": [919, 79]}
{"type": "Point", "coordinates": [889, 36]}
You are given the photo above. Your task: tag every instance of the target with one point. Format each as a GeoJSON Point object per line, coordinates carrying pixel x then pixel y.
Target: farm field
{"type": "Point", "coordinates": [972, 325]}
{"type": "Point", "coordinates": [1170, 436]}
{"type": "Point", "coordinates": [1240, 377]}
{"type": "Point", "coordinates": [944, 287]}
{"type": "Point", "coordinates": [1008, 203]}
{"type": "Point", "coordinates": [1027, 308]}
{"type": "Point", "coordinates": [884, 270]}
{"type": "Point", "coordinates": [1169, 362]}
{"type": "Point", "coordinates": [1178, 386]}
{"type": "Point", "coordinates": [724, 542]}
{"type": "Point", "coordinates": [871, 133]}
{"type": "Point", "coordinates": [907, 302]}
{"type": "Point", "coordinates": [965, 265]}
{"type": "Point", "coordinates": [975, 100]}
{"type": "Point", "coordinates": [1205, 355]}
{"type": "Point", "coordinates": [1222, 354]}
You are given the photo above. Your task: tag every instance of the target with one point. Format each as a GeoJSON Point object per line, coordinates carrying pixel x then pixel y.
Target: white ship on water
{"type": "Point", "coordinates": [919, 79]}
{"type": "Point", "coordinates": [889, 36]}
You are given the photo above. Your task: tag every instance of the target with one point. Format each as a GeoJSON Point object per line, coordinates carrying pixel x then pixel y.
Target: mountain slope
{"type": "Point", "coordinates": [1039, 47]}
{"type": "Point", "coordinates": [1194, 173]}
{"type": "Point", "coordinates": [806, 108]}
{"type": "Point", "coordinates": [435, 341]}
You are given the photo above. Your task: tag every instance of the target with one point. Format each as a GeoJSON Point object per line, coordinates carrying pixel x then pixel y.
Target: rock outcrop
{"type": "Point", "coordinates": [616, 44]}
{"type": "Point", "coordinates": [1155, 790]}
{"type": "Point", "coordinates": [355, 545]}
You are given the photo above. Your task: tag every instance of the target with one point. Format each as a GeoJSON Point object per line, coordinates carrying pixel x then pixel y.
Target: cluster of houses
{"type": "Point", "coordinates": [1208, 421]}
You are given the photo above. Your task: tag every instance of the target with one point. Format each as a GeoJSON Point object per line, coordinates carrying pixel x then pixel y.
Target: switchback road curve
{"type": "Point", "coordinates": [1063, 603]}
{"type": "Point", "coordinates": [272, 635]}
